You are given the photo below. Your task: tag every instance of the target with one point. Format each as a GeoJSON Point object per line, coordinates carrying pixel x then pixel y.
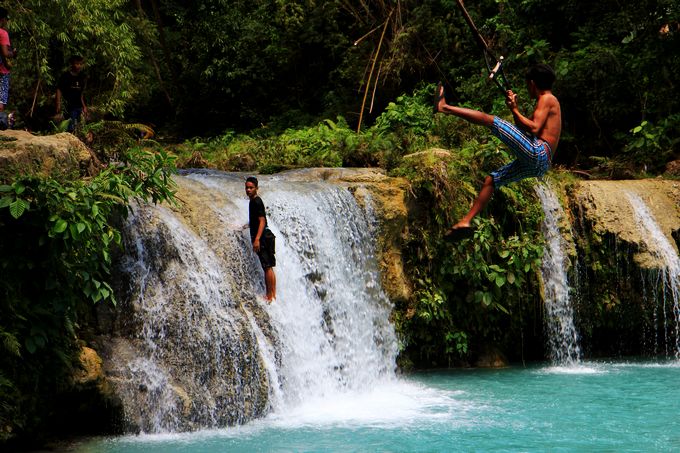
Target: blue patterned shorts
{"type": "Point", "coordinates": [532, 154]}
{"type": "Point", "coordinates": [4, 89]}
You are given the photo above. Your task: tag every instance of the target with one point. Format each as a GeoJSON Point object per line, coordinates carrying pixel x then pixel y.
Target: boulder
{"type": "Point", "coordinates": [604, 205]}
{"type": "Point", "coordinates": [491, 357]}
{"type": "Point", "coordinates": [90, 371]}
{"type": "Point", "coordinates": [22, 153]}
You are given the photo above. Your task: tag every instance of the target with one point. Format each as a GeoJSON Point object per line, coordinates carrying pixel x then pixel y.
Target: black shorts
{"type": "Point", "coordinates": [267, 253]}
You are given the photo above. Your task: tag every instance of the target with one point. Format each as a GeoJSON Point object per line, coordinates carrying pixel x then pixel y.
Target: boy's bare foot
{"type": "Point", "coordinates": [458, 232]}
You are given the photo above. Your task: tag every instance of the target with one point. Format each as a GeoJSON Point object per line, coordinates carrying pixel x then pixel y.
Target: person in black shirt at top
{"type": "Point", "coordinates": [262, 237]}
{"type": "Point", "coordinates": [70, 87]}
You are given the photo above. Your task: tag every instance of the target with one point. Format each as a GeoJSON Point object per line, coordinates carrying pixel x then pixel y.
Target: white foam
{"type": "Point", "coordinates": [393, 404]}
{"type": "Point", "coordinates": [574, 369]}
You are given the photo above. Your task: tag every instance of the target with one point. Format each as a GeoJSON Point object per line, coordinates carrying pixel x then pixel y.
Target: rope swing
{"type": "Point", "coordinates": [493, 64]}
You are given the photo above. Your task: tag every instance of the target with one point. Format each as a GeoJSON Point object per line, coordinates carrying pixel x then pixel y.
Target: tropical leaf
{"type": "Point", "coordinates": [18, 207]}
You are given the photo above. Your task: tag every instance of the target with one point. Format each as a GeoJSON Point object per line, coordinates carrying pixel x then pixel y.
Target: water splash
{"type": "Point", "coordinates": [562, 335]}
{"type": "Point", "coordinates": [184, 358]}
{"type": "Point", "coordinates": [202, 349]}
{"type": "Point", "coordinates": [664, 283]}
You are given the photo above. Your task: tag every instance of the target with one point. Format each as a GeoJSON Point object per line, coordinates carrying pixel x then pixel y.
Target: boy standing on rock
{"type": "Point", "coordinates": [70, 88]}
{"type": "Point", "coordinates": [532, 139]}
{"type": "Point", "coordinates": [262, 237]}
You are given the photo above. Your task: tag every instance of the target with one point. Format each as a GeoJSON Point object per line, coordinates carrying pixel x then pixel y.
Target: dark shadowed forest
{"type": "Point", "coordinates": [203, 68]}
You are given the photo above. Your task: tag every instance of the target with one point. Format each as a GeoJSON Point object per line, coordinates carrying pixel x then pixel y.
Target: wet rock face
{"type": "Point", "coordinates": [179, 350]}
{"type": "Point", "coordinates": [181, 347]}
{"type": "Point", "coordinates": [23, 153]}
{"type": "Point", "coordinates": [604, 206]}
{"type": "Point", "coordinates": [386, 196]}
{"type": "Point", "coordinates": [627, 273]}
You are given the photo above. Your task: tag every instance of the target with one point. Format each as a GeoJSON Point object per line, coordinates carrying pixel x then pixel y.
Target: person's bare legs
{"type": "Point", "coordinates": [270, 283]}
{"type": "Point", "coordinates": [482, 199]}
{"type": "Point", "coordinates": [481, 119]}
{"type": "Point", "coordinates": [473, 116]}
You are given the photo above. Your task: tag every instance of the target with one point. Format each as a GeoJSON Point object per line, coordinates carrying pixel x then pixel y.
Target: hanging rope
{"type": "Point", "coordinates": [493, 64]}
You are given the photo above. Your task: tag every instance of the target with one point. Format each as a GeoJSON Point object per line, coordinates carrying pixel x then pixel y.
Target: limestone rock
{"type": "Point", "coordinates": [429, 153]}
{"type": "Point", "coordinates": [90, 375]}
{"type": "Point", "coordinates": [90, 371]}
{"type": "Point", "coordinates": [22, 153]}
{"type": "Point", "coordinates": [604, 205]}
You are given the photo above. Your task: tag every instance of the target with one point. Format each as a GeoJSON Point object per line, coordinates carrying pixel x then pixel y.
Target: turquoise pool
{"type": "Point", "coordinates": [595, 407]}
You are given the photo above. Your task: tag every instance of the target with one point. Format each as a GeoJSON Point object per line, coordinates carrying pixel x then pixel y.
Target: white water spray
{"type": "Point", "coordinates": [331, 315]}
{"type": "Point", "coordinates": [208, 350]}
{"type": "Point", "coordinates": [559, 313]}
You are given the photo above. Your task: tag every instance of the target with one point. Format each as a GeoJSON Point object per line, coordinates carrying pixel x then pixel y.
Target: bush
{"type": "Point", "coordinates": [55, 264]}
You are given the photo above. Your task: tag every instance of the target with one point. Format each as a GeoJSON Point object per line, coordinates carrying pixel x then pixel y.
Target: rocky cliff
{"type": "Point", "coordinates": [22, 153]}
{"type": "Point", "coordinates": [606, 208]}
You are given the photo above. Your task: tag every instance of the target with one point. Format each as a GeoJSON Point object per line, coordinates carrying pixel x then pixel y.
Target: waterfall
{"type": "Point", "coordinates": [196, 344]}
{"type": "Point", "coordinates": [664, 282]}
{"type": "Point", "coordinates": [559, 313]}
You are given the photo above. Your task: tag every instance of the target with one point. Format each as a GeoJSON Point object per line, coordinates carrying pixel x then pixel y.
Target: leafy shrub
{"type": "Point", "coordinates": [652, 145]}
{"type": "Point", "coordinates": [55, 264]}
{"type": "Point", "coordinates": [471, 293]}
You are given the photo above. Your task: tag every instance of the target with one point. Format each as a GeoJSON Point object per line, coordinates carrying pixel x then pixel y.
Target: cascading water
{"type": "Point", "coordinates": [562, 334]}
{"type": "Point", "coordinates": [199, 348]}
{"type": "Point", "coordinates": [664, 282]}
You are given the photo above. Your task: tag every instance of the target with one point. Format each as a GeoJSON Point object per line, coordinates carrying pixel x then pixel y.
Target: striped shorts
{"type": "Point", "coordinates": [532, 154]}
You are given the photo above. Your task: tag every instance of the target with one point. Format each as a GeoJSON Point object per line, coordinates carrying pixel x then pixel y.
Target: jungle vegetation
{"type": "Point", "coordinates": [267, 85]}
{"type": "Point", "coordinates": [209, 67]}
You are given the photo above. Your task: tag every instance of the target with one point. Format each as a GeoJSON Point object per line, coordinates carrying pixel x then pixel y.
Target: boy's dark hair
{"type": "Point", "coordinates": [252, 179]}
{"type": "Point", "coordinates": [4, 14]}
{"type": "Point", "coordinates": [542, 75]}
{"type": "Point", "coordinates": [76, 59]}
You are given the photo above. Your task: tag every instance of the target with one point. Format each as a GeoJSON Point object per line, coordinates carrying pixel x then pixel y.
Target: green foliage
{"type": "Point", "coordinates": [413, 113]}
{"type": "Point", "coordinates": [654, 145]}
{"type": "Point", "coordinates": [401, 129]}
{"type": "Point", "coordinates": [47, 34]}
{"type": "Point", "coordinates": [210, 66]}
{"type": "Point", "coordinates": [471, 293]}
{"type": "Point", "coordinates": [323, 145]}
{"type": "Point", "coordinates": [57, 259]}
{"type": "Point", "coordinates": [432, 310]}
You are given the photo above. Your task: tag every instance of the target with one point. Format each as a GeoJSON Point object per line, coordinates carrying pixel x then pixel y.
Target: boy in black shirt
{"type": "Point", "coordinates": [70, 87]}
{"type": "Point", "coordinates": [263, 239]}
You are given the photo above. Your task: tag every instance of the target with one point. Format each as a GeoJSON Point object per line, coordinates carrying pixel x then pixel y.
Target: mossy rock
{"type": "Point", "coordinates": [59, 155]}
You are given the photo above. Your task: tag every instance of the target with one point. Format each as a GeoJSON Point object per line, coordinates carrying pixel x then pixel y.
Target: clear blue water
{"type": "Point", "coordinates": [595, 407]}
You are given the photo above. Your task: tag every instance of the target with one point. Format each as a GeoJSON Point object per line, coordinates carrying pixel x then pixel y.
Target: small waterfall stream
{"type": "Point", "coordinates": [202, 348]}
{"type": "Point", "coordinates": [559, 313]}
{"type": "Point", "coordinates": [664, 283]}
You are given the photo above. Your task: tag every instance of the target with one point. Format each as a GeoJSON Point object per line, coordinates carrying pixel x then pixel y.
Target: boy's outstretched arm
{"type": "Point", "coordinates": [534, 124]}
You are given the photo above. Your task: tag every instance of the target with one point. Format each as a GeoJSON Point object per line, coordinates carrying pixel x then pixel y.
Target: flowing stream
{"type": "Point", "coordinates": [559, 313]}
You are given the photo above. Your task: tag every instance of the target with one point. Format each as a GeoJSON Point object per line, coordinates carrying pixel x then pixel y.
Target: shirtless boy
{"type": "Point", "coordinates": [532, 139]}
